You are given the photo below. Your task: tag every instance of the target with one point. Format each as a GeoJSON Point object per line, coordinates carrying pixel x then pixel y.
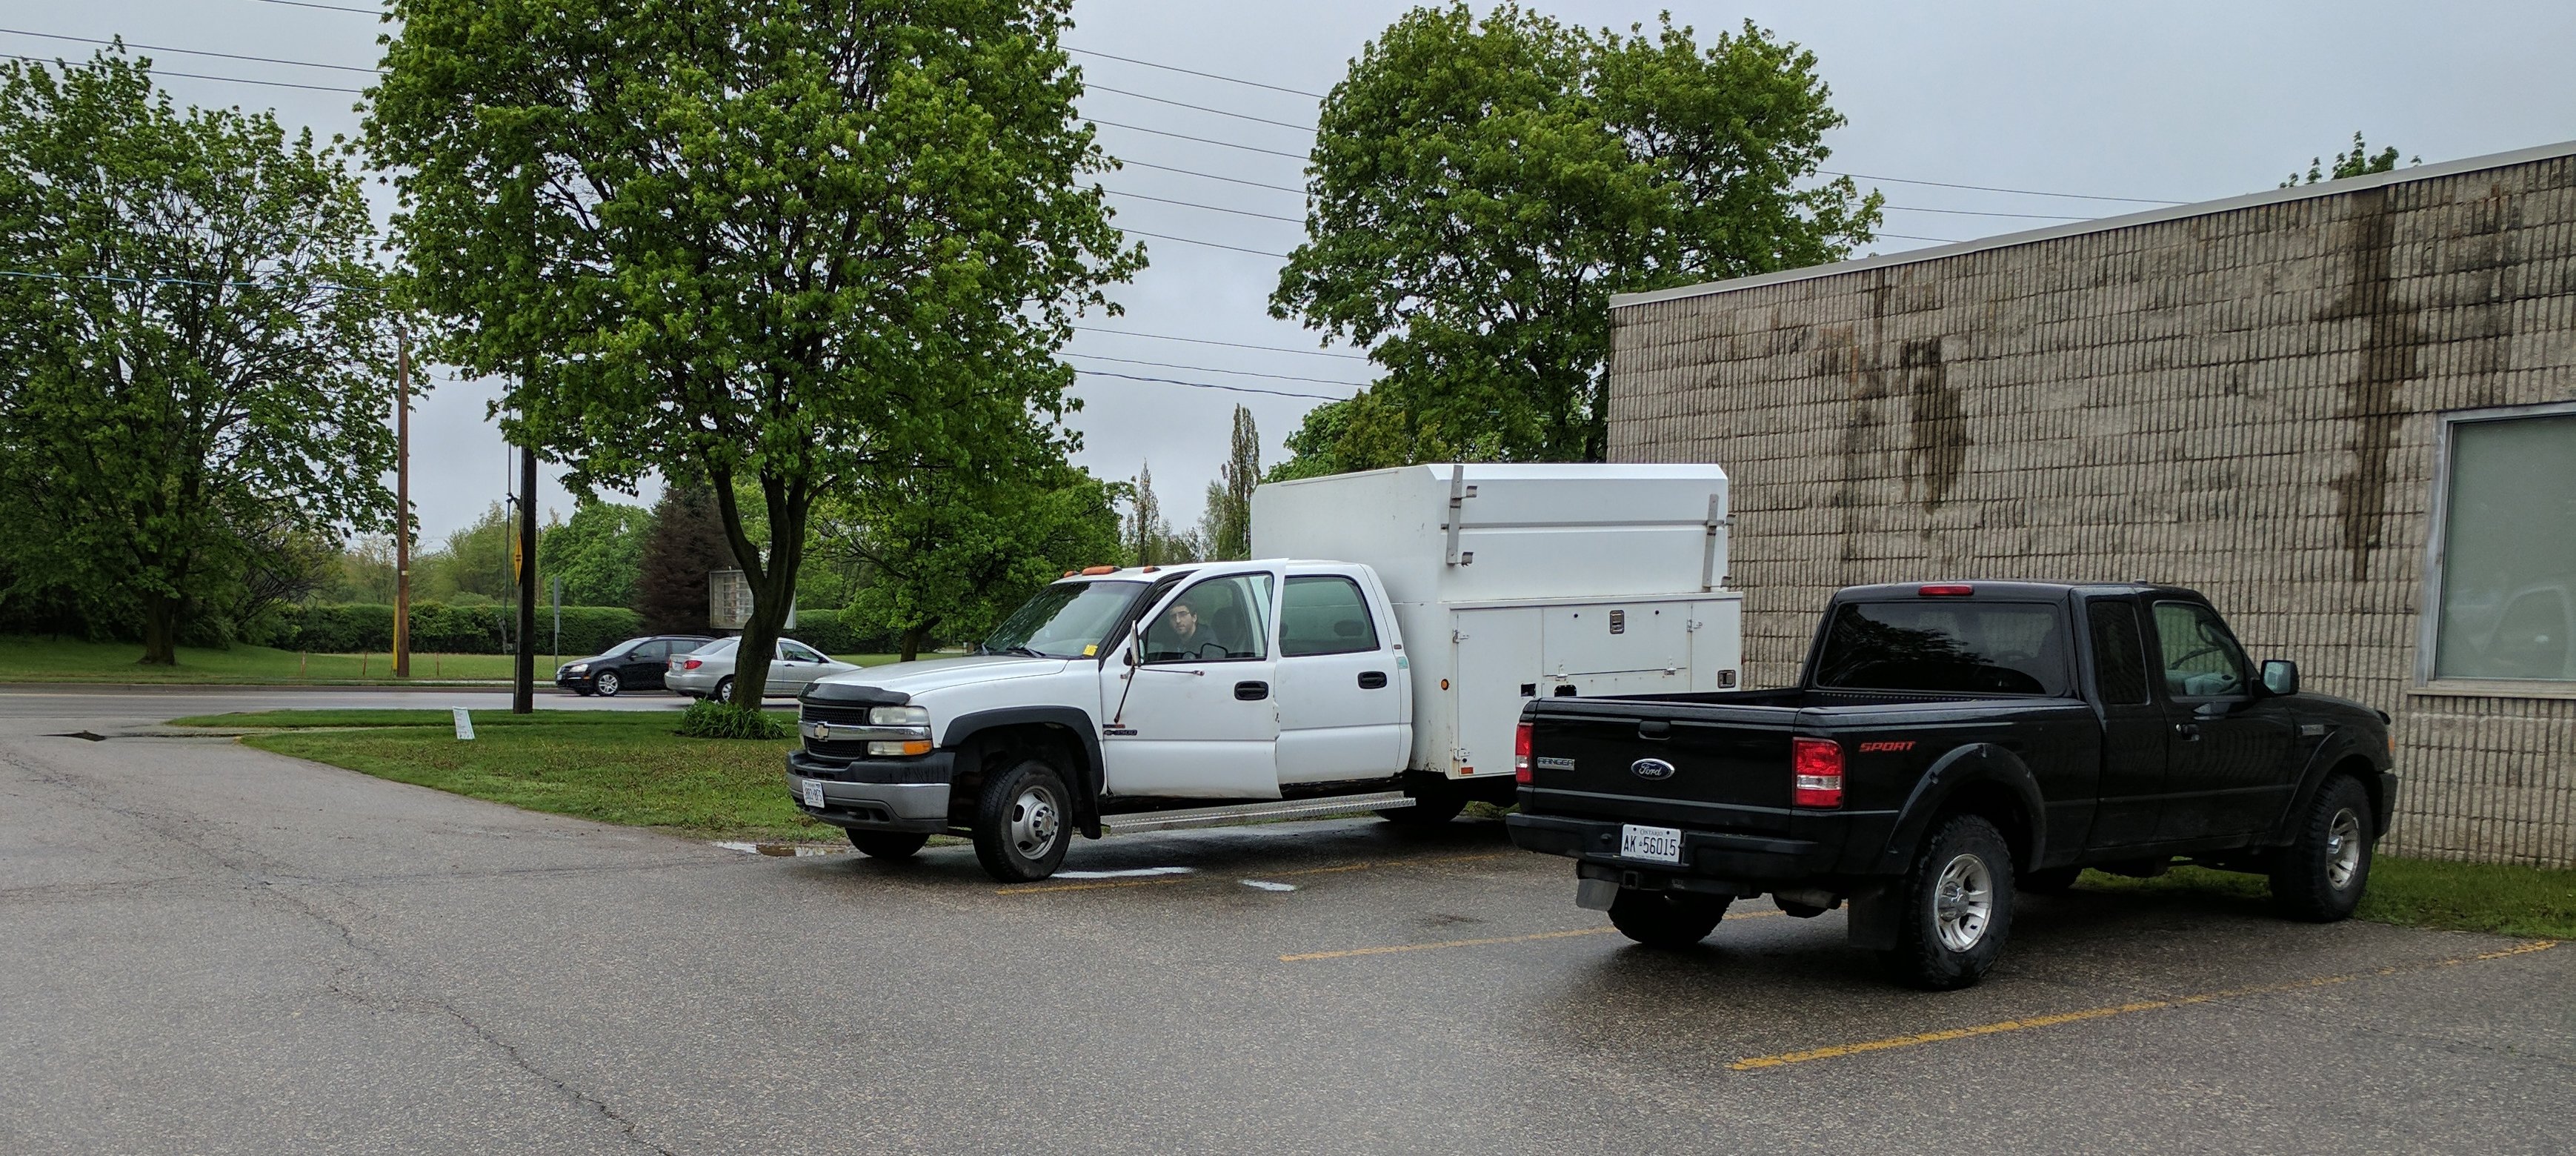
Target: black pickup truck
{"type": "Point", "coordinates": [1949, 746]}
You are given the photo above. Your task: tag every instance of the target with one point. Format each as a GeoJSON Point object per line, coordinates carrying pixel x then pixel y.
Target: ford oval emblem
{"type": "Point", "coordinates": [1651, 769]}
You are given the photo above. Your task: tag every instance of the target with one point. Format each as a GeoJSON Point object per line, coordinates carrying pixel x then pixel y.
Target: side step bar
{"type": "Point", "coordinates": [1251, 812]}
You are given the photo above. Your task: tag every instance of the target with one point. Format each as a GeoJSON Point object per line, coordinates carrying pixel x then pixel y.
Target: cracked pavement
{"type": "Point", "coordinates": [208, 949]}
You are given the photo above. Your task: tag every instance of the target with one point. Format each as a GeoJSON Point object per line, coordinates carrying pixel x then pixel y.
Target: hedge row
{"type": "Point", "coordinates": [442, 629]}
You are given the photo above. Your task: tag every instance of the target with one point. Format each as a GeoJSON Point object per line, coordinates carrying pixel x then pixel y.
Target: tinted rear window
{"type": "Point", "coordinates": [1945, 648]}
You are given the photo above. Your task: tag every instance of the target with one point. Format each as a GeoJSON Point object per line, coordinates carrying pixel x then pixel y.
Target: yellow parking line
{"type": "Point", "coordinates": [1392, 948]}
{"type": "Point", "coordinates": [1839, 1050]}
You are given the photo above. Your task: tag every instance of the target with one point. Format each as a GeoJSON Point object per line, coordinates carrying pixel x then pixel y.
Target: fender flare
{"type": "Point", "coordinates": [2342, 745]}
{"type": "Point", "coordinates": [1087, 781]}
{"type": "Point", "coordinates": [1957, 770]}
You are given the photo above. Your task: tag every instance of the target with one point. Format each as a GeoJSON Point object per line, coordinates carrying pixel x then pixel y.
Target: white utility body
{"type": "Point", "coordinates": [1377, 656]}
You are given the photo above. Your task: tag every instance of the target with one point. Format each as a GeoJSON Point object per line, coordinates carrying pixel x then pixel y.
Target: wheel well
{"type": "Point", "coordinates": [989, 752]}
{"type": "Point", "coordinates": [1998, 805]}
{"type": "Point", "coordinates": [2358, 769]}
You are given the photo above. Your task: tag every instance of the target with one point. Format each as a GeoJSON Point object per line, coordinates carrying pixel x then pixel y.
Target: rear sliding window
{"type": "Point", "coordinates": [1945, 648]}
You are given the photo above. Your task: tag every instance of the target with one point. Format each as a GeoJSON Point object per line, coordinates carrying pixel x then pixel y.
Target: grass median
{"type": "Point", "coordinates": [69, 660]}
{"type": "Point", "coordinates": [2501, 899]}
{"type": "Point", "coordinates": [623, 767]}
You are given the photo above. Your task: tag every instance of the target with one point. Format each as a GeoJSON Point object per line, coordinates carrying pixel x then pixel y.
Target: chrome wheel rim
{"type": "Point", "coordinates": [1036, 821]}
{"type": "Point", "coordinates": [608, 685]}
{"type": "Point", "coordinates": [1963, 902]}
{"type": "Point", "coordinates": [2343, 849]}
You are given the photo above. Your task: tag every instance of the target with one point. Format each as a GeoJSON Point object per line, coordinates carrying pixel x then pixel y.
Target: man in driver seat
{"type": "Point", "coordinates": [1182, 634]}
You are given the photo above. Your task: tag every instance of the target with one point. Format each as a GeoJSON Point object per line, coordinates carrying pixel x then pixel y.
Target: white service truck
{"type": "Point", "coordinates": [1375, 658]}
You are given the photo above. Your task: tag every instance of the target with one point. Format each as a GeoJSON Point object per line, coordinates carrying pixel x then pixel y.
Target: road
{"type": "Point", "coordinates": [212, 949]}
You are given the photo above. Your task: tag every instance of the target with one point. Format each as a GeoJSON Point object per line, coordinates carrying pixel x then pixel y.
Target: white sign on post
{"type": "Point", "coordinates": [464, 725]}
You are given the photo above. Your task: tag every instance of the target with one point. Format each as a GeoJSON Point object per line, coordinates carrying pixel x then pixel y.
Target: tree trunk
{"type": "Point", "coordinates": [160, 631]}
{"type": "Point", "coordinates": [913, 637]}
{"type": "Point", "coordinates": [771, 576]}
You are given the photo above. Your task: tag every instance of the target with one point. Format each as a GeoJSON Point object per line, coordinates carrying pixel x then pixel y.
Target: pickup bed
{"type": "Point", "coordinates": [1949, 746]}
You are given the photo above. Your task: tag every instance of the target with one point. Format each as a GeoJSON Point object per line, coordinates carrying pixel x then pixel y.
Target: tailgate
{"type": "Point", "coordinates": [1634, 760]}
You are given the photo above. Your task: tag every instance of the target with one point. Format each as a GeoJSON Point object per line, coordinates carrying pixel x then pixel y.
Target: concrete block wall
{"type": "Point", "coordinates": [2241, 401]}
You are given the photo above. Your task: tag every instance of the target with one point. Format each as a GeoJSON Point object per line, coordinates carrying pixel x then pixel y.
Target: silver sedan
{"type": "Point", "coordinates": [707, 672]}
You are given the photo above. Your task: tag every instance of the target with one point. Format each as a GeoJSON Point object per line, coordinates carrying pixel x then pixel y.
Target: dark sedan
{"type": "Point", "coordinates": [635, 664]}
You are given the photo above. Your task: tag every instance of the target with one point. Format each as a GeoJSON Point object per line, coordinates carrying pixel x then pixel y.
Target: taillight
{"type": "Point", "coordinates": [1520, 753]}
{"type": "Point", "coordinates": [1816, 767]}
{"type": "Point", "coordinates": [1945, 590]}
{"type": "Point", "coordinates": [689, 664]}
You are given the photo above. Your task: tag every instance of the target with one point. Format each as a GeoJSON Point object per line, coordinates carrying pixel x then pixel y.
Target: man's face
{"type": "Point", "coordinates": [1185, 620]}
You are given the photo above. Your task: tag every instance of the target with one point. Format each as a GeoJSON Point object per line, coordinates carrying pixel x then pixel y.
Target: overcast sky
{"type": "Point", "coordinates": [2163, 101]}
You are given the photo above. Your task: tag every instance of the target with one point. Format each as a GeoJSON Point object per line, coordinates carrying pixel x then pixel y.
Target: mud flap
{"type": "Point", "coordinates": [1874, 917]}
{"type": "Point", "coordinates": [1595, 894]}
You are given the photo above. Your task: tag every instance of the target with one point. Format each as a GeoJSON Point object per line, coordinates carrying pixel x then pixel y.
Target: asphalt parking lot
{"type": "Point", "coordinates": [212, 949]}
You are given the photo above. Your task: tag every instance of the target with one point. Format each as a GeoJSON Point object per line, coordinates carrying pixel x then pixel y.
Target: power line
{"type": "Point", "coordinates": [1994, 189]}
{"type": "Point", "coordinates": [1124, 162]}
{"type": "Point", "coordinates": [1977, 213]}
{"type": "Point", "coordinates": [1213, 369]}
{"type": "Point", "coordinates": [1903, 237]}
{"type": "Point", "coordinates": [1233, 344]}
{"type": "Point", "coordinates": [1209, 244]}
{"type": "Point", "coordinates": [1175, 68]}
{"type": "Point", "coordinates": [189, 51]}
{"type": "Point", "coordinates": [1304, 128]}
{"type": "Point", "coordinates": [203, 76]}
{"type": "Point", "coordinates": [326, 7]}
{"type": "Point", "coordinates": [1210, 208]}
{"type": "Point", "coordinates": [1201, 139]}
{"type": "Point", "coordinates": [116, 280]}
{"type": "Point", "coordinates": [1208, 385]}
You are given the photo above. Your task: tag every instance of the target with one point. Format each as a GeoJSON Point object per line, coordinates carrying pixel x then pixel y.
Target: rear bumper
{"type": "Point", "coordinates": [875, 794]}
{"type": "Point", "coordinates": [1843, 845]}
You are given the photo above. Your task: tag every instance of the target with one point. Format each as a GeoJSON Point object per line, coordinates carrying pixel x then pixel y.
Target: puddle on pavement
{"type": "Point", "coordinates": [782, 850]}
{"type": "Point", "coordinates": [96, 738]}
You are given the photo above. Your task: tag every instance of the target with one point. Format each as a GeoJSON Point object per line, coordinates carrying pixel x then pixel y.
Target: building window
{"type": "Point", "coordinates": [2501, 582]}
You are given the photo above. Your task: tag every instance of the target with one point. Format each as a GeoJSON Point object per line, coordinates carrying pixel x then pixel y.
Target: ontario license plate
{"type": "Point", "coordinates": [1656, 844]}
{"type": "Point", "coordinates": [813, 793]}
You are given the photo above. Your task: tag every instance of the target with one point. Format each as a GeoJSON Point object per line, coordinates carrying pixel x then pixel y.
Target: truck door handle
{"type": "Point", "coordinates": [1252, 691]}
{"type": "Point", "coordinates": [1372, 679]}
{"type": "Point", "coordinates": [2189, 731]}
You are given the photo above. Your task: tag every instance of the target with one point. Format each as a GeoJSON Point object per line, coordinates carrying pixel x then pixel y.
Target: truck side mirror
{"type": "Point", "coordinates": [2281, 676]}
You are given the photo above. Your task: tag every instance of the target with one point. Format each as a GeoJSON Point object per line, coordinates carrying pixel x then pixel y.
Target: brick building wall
{"type": "Point", "coordinates": [2238, 397]}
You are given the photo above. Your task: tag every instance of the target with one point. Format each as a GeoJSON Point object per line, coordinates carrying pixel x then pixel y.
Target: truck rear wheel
{"type": "Point", "coordinates": [2319, 876]}
{"type": "Point", "coordinates": [1022, 822]}
{"type": "Point", "coordinates": [887, 844]}
{"type": "Point", "coordinates": [1665, 919]}
{"type": "Point", "coordinates": [1954, 907]}
{"type": "Point", "coordinates": [1436, 800]}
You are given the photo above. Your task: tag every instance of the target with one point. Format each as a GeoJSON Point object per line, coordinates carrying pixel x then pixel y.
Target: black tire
{"type": "Point", "coordinates": [1435, 802]}
{"type": "Point", "coordinates": [1666, 919]}
{"type": "Point", "coordinates": [2053, 881]}
{"type": "Point", "coordinates": [1023, 822]}
{"type": "Point", "coordinates": [888, 844]}
{"type": "Point", "coordinates": [2319, 877]}
{"type": "Point", "coordinates": [1955, 906]}
{"type": "Point", "coordinates": [724, 690]}
{"type": "Point", "coordinates": [608, 684]}
{"type": "Point", "coordinates": [583, 691]}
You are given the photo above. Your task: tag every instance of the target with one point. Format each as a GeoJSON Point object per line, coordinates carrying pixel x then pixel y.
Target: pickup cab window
{"type": "Point", "coordinates": [1945, 648]}
{"type": "Point", "coordinates": [1219, 619]}
{"type": "Point", "coordinates": [2201, 658]}
{"type": "Point", "coordinates": [1065, 620]}
{"type": "Point", "coordinates": [2119, 655]}
{"type": "Point", "coordinates": [1323, 614]}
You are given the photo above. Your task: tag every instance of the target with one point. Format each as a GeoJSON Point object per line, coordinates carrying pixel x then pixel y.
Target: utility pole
{"type": "Point", "coordinates": [523, 692]}
{"type": "Point", "coordinates": [402, 499]}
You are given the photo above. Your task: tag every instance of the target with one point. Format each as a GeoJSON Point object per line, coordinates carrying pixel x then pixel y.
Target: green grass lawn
{"type": "Point", "coordinates": [610, 766]}
{"type": "Point", "coordinates": [2505, 900]}
{"type": "Point", "coordinates": [42, 659]}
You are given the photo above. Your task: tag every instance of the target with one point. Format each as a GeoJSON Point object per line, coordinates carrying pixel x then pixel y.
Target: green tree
{"type": "Point", "coordinates": [2360, 162]}
{"type": "Point", "coordinates": [794, 245]}
{"type": "Point", "coordinates": [1480, 188]}
{"type": "Point", "coordinates": [949, 552]}
{"type": "Point", "coordinates": [474, 560]}
{"type": "Point", "coordinates": [1145, 534]}
{"type": "Point", "coordinates": [195, 368]}
{"type": "Point", "coordinates": [684, 544]}
{"type": "Point", "coordinates": [598, 553]}
{"type": "Point", "coordinates": [1225, 528]}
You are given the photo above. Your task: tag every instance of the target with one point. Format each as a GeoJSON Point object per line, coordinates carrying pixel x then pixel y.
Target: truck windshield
{"type": "Point", "coordinates": [1945, 648]}
{"type": "Point", "coordinates": [1065, 620]}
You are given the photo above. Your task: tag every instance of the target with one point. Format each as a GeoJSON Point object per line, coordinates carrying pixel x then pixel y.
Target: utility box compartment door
{"type": "Point", "coordinates": [1494, 669]}
{"type": "Point", "coordinates": [1614, 648]}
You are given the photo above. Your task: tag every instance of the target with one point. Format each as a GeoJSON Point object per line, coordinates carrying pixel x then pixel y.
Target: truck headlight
{"type": "Point", "coordinates": [911, 727]}
{"type": "Point", "coordinates": [898, 716]}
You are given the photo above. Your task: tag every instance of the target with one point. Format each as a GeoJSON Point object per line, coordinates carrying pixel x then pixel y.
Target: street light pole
{"type": "Point", "coordinates": [402, 499]}
{"type": "Point", "coordinates": [523, 690]}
